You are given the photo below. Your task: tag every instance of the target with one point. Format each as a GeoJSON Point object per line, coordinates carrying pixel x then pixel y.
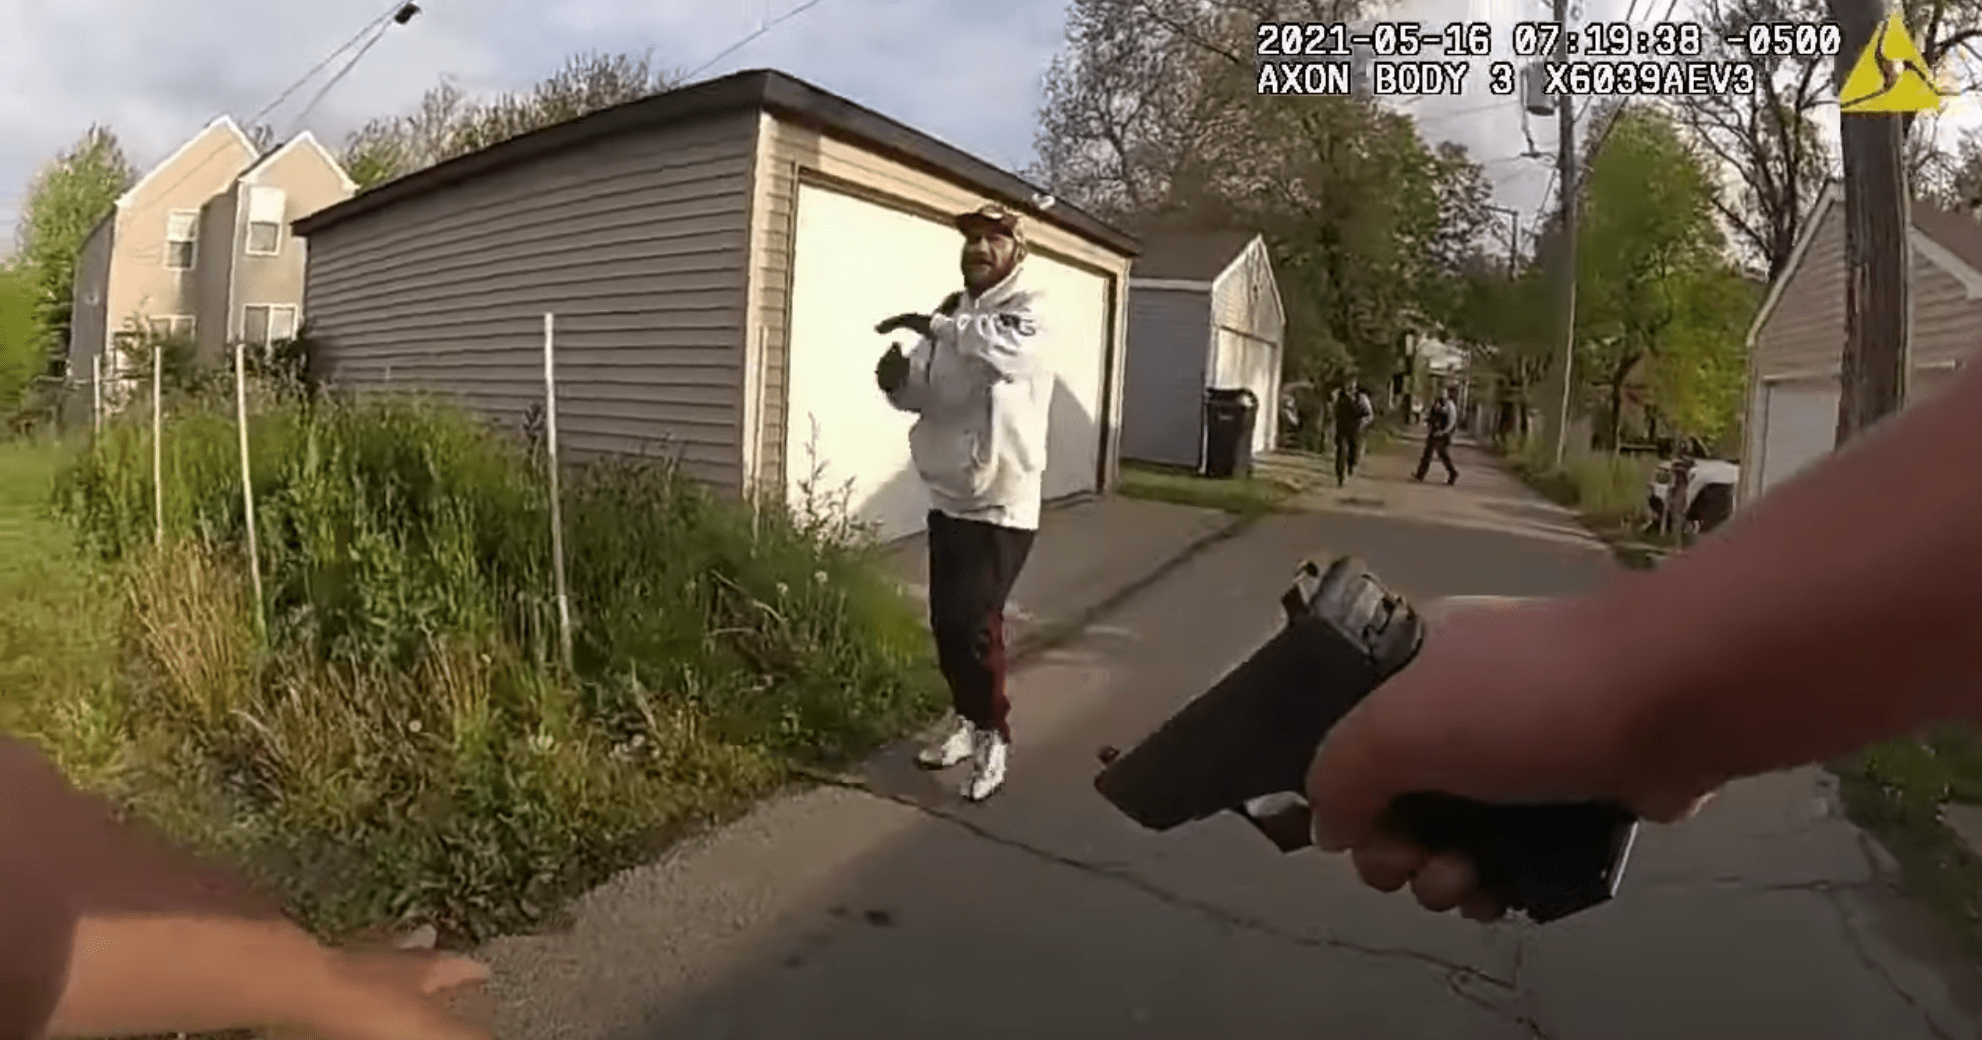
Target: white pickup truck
{"type": "Point", "coordinates": [1709, 494]}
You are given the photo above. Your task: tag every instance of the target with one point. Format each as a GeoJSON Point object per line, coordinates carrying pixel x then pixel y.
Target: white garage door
{"type": "Point", "coordinates": [856, 262]}
{"type": "Point", "coordinates": [1254, 365]}
{"type": "Point", "coordinates": [1800, 427]}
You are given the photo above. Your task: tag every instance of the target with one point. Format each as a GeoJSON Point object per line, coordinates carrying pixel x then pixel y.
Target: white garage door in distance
{"type": "Point", "coordinates": [856, 262]}
{"type": "Point", "coordinates": [1801, 427]}
{"type": "Point", "coordinates": [1254, 365]}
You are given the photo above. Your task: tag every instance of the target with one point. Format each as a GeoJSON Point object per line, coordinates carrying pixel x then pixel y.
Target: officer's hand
{"type": "Point", "coordinates": [1498, 708]}
{"type": "Point", "coordinates": [892, 370]}
{"type": "Point", "coordinates": [917, 322]}
{"type": "Point", "coordinates": [950, 304]}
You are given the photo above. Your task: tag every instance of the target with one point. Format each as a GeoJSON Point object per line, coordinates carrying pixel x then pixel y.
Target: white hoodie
{"type": "Point", "coordinates": [983, 394]}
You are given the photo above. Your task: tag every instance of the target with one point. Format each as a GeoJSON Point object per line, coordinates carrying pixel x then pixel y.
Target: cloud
{"type": "Point", "coordinates": [962, 70]}
{"type": "Point", "coordinates": [157, 71]}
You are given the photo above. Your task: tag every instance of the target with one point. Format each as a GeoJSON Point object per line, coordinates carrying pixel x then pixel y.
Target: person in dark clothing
{"type": "Point", "coordinates": [1353, 414]}
{"type": "Point", "coordinates": [1440, 421]}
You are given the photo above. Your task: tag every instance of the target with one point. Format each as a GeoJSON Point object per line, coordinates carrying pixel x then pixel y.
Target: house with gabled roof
{"type": "Point", "coordinates": [1204, 314]}
{"type": "Point", "coordinates": [1796, 341]}
{"type": "Point", "coordinates": [201, 247]}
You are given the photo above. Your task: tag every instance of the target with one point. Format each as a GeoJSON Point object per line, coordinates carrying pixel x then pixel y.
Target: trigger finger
{"type": "Point", "coordinates": [1387, 863]}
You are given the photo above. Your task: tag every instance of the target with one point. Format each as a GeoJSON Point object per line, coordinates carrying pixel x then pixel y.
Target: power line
{"type": "Point", "coordinates": [327, 59]}
{"type": "Point", "coordinates": [377, 23]}
{"type": "Point", "coordinates": [334, 80]}
{"type": "Point", "coordinates": [751, 38]}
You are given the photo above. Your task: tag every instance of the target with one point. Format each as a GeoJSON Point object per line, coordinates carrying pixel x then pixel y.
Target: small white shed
{"type": "Point", "coordinates": [1204, 313]}
{"type": "Point", "coordinates": [1796, 343]}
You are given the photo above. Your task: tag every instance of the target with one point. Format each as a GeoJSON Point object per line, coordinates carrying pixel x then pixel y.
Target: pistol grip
{"type": "Point", "coordinates": [1548, 860]}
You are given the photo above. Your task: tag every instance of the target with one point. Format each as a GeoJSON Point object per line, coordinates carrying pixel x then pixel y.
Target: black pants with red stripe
{"type": "Point", "coordinates": [972, 567]}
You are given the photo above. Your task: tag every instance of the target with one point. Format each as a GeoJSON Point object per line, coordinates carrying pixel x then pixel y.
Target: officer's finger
{"type": "Point", "coordinates": [1346, 784]}
{"type": "Point", "coordinates": [1444, 882]}
{"type": "Point", "coordinates": [1386, 862]}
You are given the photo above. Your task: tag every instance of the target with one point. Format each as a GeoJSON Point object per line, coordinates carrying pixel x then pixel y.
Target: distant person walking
{"type": "Point", "coordinates": [1353, 415]}
{"type": "Point", "coordinates": [1440, 422]}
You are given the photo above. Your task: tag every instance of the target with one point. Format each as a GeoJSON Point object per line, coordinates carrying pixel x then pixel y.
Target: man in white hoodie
{"type": "Point", "coordinates": [982, 393]}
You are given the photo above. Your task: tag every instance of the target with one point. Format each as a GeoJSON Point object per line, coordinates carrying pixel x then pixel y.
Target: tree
{"type": "Point", "coordinates": [449, 123]}
{"type": "Point", "coordinates": [22, 356]}
{"type": "Point", "coordinates": [1696, 380]}
{"type": "Point", "coordinates": [1768, 141]}
{"type": "Point", "coordinates": [1152, 117]}
{"type": "Point", "coordinates": [1648, 250]}
{"type": "Point", "coordinates": [66, 201]}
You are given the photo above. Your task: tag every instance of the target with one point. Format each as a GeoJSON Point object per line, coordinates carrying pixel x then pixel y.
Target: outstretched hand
{"type": "Point", "coordinates": [113, 931]}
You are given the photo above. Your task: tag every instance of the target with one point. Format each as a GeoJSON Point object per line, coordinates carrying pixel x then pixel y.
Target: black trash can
{"type": "Point", "coordinates": [1229, 416]}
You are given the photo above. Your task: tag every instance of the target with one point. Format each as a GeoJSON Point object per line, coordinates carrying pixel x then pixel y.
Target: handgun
{"type": "Point", "coordinates": [1244, 746]}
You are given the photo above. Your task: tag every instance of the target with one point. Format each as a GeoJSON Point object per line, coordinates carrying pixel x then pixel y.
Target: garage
{"type": "Point", "coordinates": [715, 259]}
{"type": "Point", "coordinates": [1796, 342]}
{"type": "Point", "coordinates": [858, 261]}
{"type": "Point", "coordinates": [1205, 314]}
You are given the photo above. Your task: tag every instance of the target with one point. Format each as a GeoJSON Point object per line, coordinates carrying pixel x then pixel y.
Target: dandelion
{"type": "Point", "coordinates": [819, 577]}
{"type": "Point", "coordinates": [414, 725]}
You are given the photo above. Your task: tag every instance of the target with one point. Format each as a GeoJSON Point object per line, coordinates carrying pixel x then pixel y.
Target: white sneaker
{"type": "Point", "coordinates": [952, 749]}
{"type": "Point", "coordinates": [987, 772]}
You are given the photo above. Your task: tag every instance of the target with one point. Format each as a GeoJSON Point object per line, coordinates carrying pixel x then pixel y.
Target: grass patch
{"type": "Point", "coordinates": [386, 736]}
{"type": "Point", "coordinates": [1607, 492]}
{"type": "Point", "coordinates": [60, 615]}
{"type": "Point", "coordinates": [1250, 496]}
{"type": "Point", "coordinates": [1896, 789]}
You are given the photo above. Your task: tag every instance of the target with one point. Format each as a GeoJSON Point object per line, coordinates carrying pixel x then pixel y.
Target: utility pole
{"type": "Point", "coordinates": [1878, 305]}
{"type": "Point", "coordinates": [1561, 382]}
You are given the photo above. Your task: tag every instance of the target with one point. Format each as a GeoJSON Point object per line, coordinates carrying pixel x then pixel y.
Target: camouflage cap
{"type": "Point", "coordinates": [992, 218]}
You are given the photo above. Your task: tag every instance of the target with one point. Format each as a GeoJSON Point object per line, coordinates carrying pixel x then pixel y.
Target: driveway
{"type": "Point", "coordinates": [888, 909]}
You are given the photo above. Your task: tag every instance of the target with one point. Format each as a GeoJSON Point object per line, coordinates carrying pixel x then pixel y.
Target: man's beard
{"type": "Point", "coordinates": [985, 271]}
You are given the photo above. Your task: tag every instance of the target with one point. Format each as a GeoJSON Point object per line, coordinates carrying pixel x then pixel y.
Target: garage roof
{"type": "Point", "coordinates": [1190, 256]}
{"type": "Point", "coordinates": [1950, 241]}
{"type": "Point", "coordinates": [787, 97]}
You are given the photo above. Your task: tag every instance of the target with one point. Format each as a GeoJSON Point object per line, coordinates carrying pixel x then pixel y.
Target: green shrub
{"type": "Point", "coordinates": [1609, 490]}
{"type": "Point", "coordinates": [403, 743]}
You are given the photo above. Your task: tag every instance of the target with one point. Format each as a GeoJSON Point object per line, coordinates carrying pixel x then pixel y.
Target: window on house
{"type": "Point", "coordinates": [266, 323]}
{"type": "Point", "coordinates": [182, 228]}
{"type": "Point", "coordinates": [265, 211]}
{"type": "Point", "coordinates": [171, 325]}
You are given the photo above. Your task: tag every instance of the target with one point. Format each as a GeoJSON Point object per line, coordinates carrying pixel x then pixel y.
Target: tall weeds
{"type": "Point", "coordinates": [403, 744]}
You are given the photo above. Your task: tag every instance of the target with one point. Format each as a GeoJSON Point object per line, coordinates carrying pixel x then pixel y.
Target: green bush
{"type": "Point", "coordinates": [403, 742]}
{"type": "Point", "coordinates": [1609, 490]}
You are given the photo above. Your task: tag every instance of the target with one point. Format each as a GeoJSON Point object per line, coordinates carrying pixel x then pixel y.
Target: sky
{"type": "Point", "coordinates": [965, 71]}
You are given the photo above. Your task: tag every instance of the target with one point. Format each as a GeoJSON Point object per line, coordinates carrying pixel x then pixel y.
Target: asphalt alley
{"type": "Point", "coordinates": [890, 909]}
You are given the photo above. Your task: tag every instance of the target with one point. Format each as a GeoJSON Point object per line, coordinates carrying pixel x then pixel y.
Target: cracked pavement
{"type": "Point", "coordinates": [882, 906]}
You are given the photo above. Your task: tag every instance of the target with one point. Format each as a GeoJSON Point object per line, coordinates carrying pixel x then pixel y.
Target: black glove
{"type": "Point", "coordinates": [892, 370]}
{"type": "Point", "coordinates": [950, 304]}
{"type": "Point", "coordinates": [918, 322]}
